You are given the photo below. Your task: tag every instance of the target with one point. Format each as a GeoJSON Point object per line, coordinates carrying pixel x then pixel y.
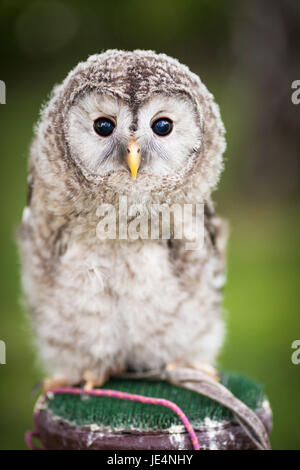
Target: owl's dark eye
{"type": "Point", "coordinates": [162, 126]}
{"type": "Point", "coordinates": [104, 126]}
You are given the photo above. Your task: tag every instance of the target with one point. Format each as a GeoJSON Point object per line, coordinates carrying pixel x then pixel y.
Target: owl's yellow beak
{"type": "Point", "coordinates": [133, 157]}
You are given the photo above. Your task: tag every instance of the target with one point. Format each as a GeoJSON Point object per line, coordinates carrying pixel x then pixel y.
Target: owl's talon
{"type": "Point", "coordinates": [171, 366]}
{"type": "Point", "coordinates": [50, 383]}
{"type": "Point", "coordinates": [90, 382]}
{"type": "Point", "coordinates": [209, 370]}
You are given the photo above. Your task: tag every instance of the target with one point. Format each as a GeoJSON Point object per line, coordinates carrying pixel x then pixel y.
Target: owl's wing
{"type": "Point", "coordinates": [49, 233]}
{"type": "Point", "coordinates": [217, 231]}
{"type": "Point", "coordinates": [189, 265]}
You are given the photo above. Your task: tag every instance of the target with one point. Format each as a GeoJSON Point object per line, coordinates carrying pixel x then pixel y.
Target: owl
{"type": "Point", "coordinates": [140, 126]}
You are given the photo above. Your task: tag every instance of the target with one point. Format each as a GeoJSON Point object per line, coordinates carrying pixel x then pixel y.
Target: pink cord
{"type": "Point", "coordinates": [123, 396]}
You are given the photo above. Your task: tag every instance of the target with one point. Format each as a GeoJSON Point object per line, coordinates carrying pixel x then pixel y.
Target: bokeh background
{"type": "Point", "coordinates": [248, 55]}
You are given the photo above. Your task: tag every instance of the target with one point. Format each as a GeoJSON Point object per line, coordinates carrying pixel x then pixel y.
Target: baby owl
{"type": "Point", "coordinates": [142, 126]}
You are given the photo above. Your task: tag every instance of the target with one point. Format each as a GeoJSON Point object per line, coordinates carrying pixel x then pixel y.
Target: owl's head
{"type": "Point", "coordinates": [136, 121]}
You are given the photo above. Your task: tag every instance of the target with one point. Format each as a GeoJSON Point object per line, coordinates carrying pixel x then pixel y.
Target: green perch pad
{"type": "Point", "coordinates": [92, 422]}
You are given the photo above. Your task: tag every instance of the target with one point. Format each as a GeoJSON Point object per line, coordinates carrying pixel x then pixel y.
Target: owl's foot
{"type": "Point", "coordinates": [202, 367]}
{"type": "Point", "coordinates": [51, 382]}
{"type": "Point", "coordinates": [91, 382]}
{"type": "Point", "coordinates": [209, 370]}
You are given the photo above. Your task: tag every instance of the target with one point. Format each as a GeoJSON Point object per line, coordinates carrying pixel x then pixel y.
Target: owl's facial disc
{"type": "Point", "coordinates": [101, 140]}
{"type": "Point", "coordinates": [168, 134]}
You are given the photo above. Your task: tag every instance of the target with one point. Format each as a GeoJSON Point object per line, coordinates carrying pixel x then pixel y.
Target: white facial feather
{"type": "Point", "coordinates": [97, 154]}
{"type": "Point", "coordinates": [168, 154]}
{"type": "Point", "coordinates": [160, 155]}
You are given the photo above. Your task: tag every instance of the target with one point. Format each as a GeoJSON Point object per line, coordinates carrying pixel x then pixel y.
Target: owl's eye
{"type": "Point", "coordinates": [104, 126]}
{"type": "Point", "coordinates": [162, 126]}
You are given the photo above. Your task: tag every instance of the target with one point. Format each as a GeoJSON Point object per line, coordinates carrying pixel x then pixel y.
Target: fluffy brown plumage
{"type": "Point", "coordinates": [103, 305]}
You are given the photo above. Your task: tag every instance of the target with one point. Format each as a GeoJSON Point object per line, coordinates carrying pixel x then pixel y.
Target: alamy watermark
{"type": "Point", "coordinates": [2, 92]}
{"type": "Point", "coordinates": [152, 221]}
{"type": "Point", "coordinates": [296, 354]}
{"type": "Point", "coordinates": [2, 352]}
{"type": "Point", "coordinates": [296, 94]}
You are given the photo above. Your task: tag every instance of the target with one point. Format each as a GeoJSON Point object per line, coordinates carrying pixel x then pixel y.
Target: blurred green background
{"type": "Point", "coordinates": [247, 53]}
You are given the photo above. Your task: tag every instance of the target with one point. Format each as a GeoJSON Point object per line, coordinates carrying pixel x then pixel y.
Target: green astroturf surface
{"type": "Point", "coordinates": [115, 413]}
